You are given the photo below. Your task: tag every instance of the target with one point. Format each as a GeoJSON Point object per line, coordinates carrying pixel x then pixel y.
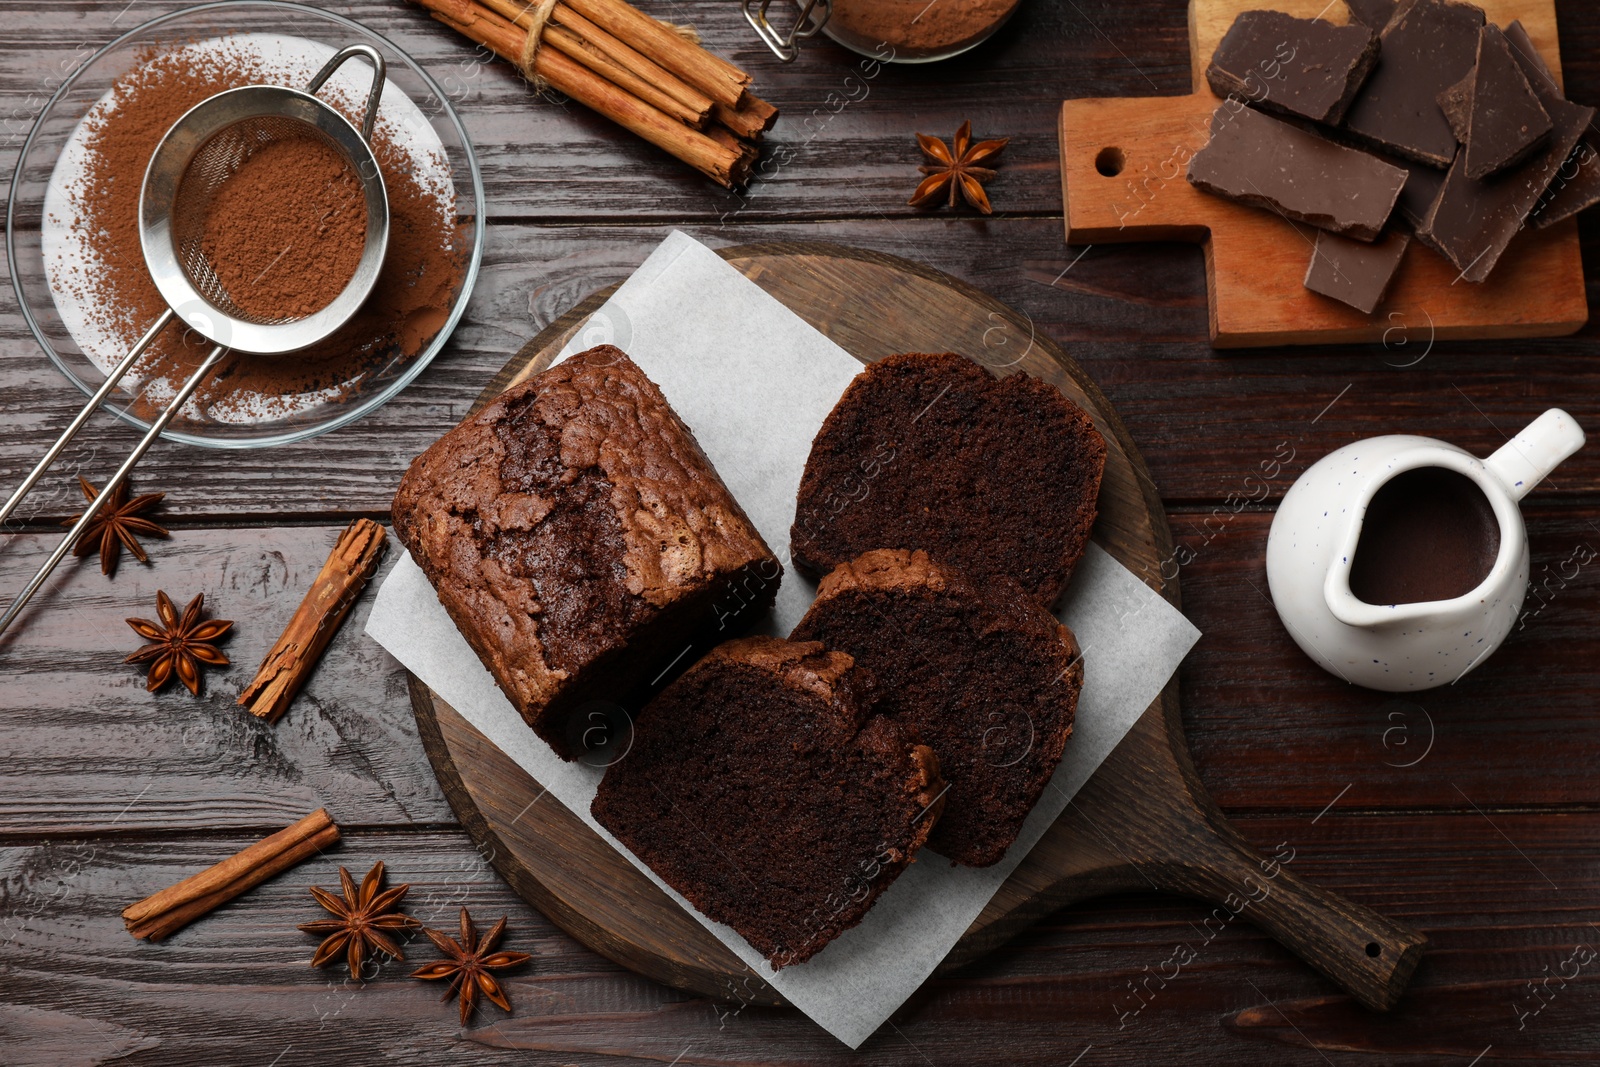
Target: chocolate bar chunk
{"type": "Point", "coordinates": [1373, 13]}
{"type": "Point", "coordinates": [1304, 67]}
{"type": "Point", "coordinates": [1355, 273]}
{"type": "Point", "coordinates": [1428, 46]}
{"type": "Point", "coordinates": [1422, 189]}
{"type": "Point", "coordinates": [1538, 72]}
{"type": "Point", "coordinates": [1576, 187]}
{"type": "Point", "coordinates": [1577, 184]}
{"type": "Point", "coordinates": [1473, 221]}
{"type": "Point", "coordinates": [1505, 123]}
{"type": "Point", "coordinates": [1260, 160]}
{"type": "Point", "coordinates": [1456, 103]}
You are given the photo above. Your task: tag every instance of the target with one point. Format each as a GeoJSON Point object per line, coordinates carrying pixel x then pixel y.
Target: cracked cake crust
{"type": "Point", "coordinates": [575, 519]}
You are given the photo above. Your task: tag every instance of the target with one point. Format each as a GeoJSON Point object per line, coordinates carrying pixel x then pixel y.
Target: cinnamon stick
{"type": "Point", "coordinates": [627, 56]}
{"type": "Point", "coordinates": [602, 64]}
{"type": "Point", "coordinates": [177, 906]}
{"type": "Point", "coordinates": [505, 39]}
{"type": "Point", "coordinates": [497, 34]}
{"type": "Point", "coordinates": [289, 663]}
{"type": "Point", "coordinates": [693, 147]}
{"type": "Point", "coordinates": [715, 77]}
{"type": "Point", "coordinates": [641, 67]}
{"type": "Point", "coordinates": [750, 119]}
{"type": "Point", "coordinates": [748, 152]}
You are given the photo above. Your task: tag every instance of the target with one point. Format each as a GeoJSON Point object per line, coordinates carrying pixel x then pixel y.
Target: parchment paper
{"type": "Point", "coordinates": [754, 382]}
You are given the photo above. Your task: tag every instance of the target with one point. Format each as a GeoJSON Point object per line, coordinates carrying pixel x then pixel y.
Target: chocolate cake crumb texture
{"type": "Point", "coordinates": [761, 786]}
{"type": "Point", "coordinates": [996, 476]}
{"type": "Point", "coordinates": [981, 673]}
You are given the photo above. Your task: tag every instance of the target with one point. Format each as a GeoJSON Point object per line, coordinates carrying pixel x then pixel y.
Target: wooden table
{"type": "Point", "coordinates": [1471, 812]}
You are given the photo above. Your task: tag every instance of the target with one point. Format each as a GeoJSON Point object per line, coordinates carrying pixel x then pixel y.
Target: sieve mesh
{"type": "Point", "coordinates": [217, 160]}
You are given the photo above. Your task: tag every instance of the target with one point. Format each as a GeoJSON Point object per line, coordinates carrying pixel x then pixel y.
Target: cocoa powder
{"type": "Point", "coordinates": [918, 27]}
{"type": "Point", "coordinates": [423, 270]}
{"type": "Point", "coordinates": [285, 231]}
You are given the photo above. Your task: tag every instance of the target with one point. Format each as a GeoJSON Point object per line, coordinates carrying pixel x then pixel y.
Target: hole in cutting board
{"type": "Point", "coordinates": [1110, 162]}
{"type": "Point", "coordinates": [1373, 949]}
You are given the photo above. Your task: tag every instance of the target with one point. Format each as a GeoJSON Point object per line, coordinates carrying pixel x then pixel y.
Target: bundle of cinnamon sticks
{"type": "Point", "coordinates": [645, 75]}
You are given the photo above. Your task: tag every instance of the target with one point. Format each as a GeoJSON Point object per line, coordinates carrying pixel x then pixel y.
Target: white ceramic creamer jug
{"type": "Point", "coordinates": [1418, 538]}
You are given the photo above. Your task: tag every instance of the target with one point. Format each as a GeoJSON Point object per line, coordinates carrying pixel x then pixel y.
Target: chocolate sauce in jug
{"type": "Point", "coordinates": [1429, 534]}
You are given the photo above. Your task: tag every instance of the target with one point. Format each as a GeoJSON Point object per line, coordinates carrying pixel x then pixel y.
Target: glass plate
{"type": "Point", "coordinates": [411, 99]}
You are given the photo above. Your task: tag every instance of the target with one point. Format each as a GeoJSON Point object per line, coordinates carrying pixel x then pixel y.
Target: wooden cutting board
{"type": "Point", "coordinates": [1124, 163]}
{"type": "Point", "coordinates": [1142, 820]}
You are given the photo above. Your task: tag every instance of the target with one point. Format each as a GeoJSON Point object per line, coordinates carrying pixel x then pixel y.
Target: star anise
{"type": "Point", "coordinates": [957, 170]}
{"type": "Point", "coordinates": [114, 527]}
{"type": "Point", "coordinates": [178, 645]}
{"type": "Point", "coordinates": [469, 963]}
{"type": "Point", "coordinates": [360, 920]}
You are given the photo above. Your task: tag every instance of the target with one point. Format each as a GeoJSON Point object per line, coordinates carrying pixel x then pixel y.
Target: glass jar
{"type": "Point", "coordinates": [915, 31]}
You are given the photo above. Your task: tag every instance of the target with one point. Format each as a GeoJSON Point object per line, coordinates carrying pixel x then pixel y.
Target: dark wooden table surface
{"type": "Point", "coordinates": [1471, 812]}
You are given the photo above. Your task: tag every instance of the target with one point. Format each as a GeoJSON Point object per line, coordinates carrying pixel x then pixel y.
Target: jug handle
{"type": "Point", "coordinates": [1528, 458]}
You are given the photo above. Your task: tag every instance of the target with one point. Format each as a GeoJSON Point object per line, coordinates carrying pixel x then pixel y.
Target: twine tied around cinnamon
{"type": "Point", "coordinates": [539, 13]}
{"type": "Point", "coordinates": [642, 73]}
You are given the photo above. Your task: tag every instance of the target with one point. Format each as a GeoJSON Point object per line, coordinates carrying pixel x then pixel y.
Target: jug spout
{"type": "Point", "coordinates": [1528, 458]}
{"type": "Point", "coordinates": [1381, 618]}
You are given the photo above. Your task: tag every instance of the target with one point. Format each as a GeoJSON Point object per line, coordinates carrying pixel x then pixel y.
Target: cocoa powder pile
{"type": "Point", "coordinates": [424, 268]}
{"type": "Point", "coordinates": [285, 231]}
{"type": "Point", "coordinates": [918, 27]}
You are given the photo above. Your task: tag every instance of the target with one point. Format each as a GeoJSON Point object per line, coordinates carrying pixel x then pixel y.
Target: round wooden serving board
{"type": "Point", "coordinates": [1142, 820]}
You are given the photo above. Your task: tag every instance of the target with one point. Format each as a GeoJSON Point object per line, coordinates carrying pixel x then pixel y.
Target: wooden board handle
{"type": "Point", "coordinates": [1370, 957]}
{"type": "Point", "coordinates": [1124, 170]}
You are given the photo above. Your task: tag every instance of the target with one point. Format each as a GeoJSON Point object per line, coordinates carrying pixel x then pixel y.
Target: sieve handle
{"type": "Point", "coordinates": [76, 424]}
{"type": "Point", "coordinates": [116, 479]}
{"type": "Point", "coordinates": [379, 73]}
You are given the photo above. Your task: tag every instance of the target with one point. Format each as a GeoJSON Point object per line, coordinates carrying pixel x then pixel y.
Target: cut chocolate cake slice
{"type": "Point", "coordinates": [581, 541]}
{"type": "Point", "coordinates": [981, 674]}
{"type": "Point", "coordinates": [761, 786]}
{"type": "Point", "coordinates": [996, 476]}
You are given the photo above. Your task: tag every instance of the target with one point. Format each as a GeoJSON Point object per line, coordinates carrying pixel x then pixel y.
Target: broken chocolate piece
{"type": "Point", "coordinates": [1508, 124]}
{"type": "Point", "coordinates": [1537, 71]}
{"type": "Point", "coordinates": [1427, 47]}
{"type": "Point", "coordinates": [1304, 67]}
{"type": "Point", "coordinates": [1372, 13]}
{"type": "Point", "coordinates": [1577, 184]}
{"type": "Point", "coordinates": [1260, 160]}
{"type": "Point", "coordinates": [1576, 187]}
{"type": "Point", "coordinates": [1456, 103]}
{"type": "Point", "coordinates": [1473, 222]}
{"type": "Point", "coordinates": [1422, 189]}
{"type": "Point", "coordinates": [1355, 273]}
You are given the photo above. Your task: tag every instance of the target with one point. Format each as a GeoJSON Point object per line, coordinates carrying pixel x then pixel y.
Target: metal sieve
{"type": "Point", "coordinates": [196, 157]}
{"type": "Point", "coordinates": [199, 154]}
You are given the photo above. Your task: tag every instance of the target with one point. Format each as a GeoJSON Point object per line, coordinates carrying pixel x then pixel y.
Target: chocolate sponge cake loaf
{"type": "Point", "coordinates": [581, 540]}
{"type": "Point", "coordinates": [980, 673]}
{"type": "Point", "coordinates": [998, 477]}
{"type": "Point", "coordinates": [761, 786]}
